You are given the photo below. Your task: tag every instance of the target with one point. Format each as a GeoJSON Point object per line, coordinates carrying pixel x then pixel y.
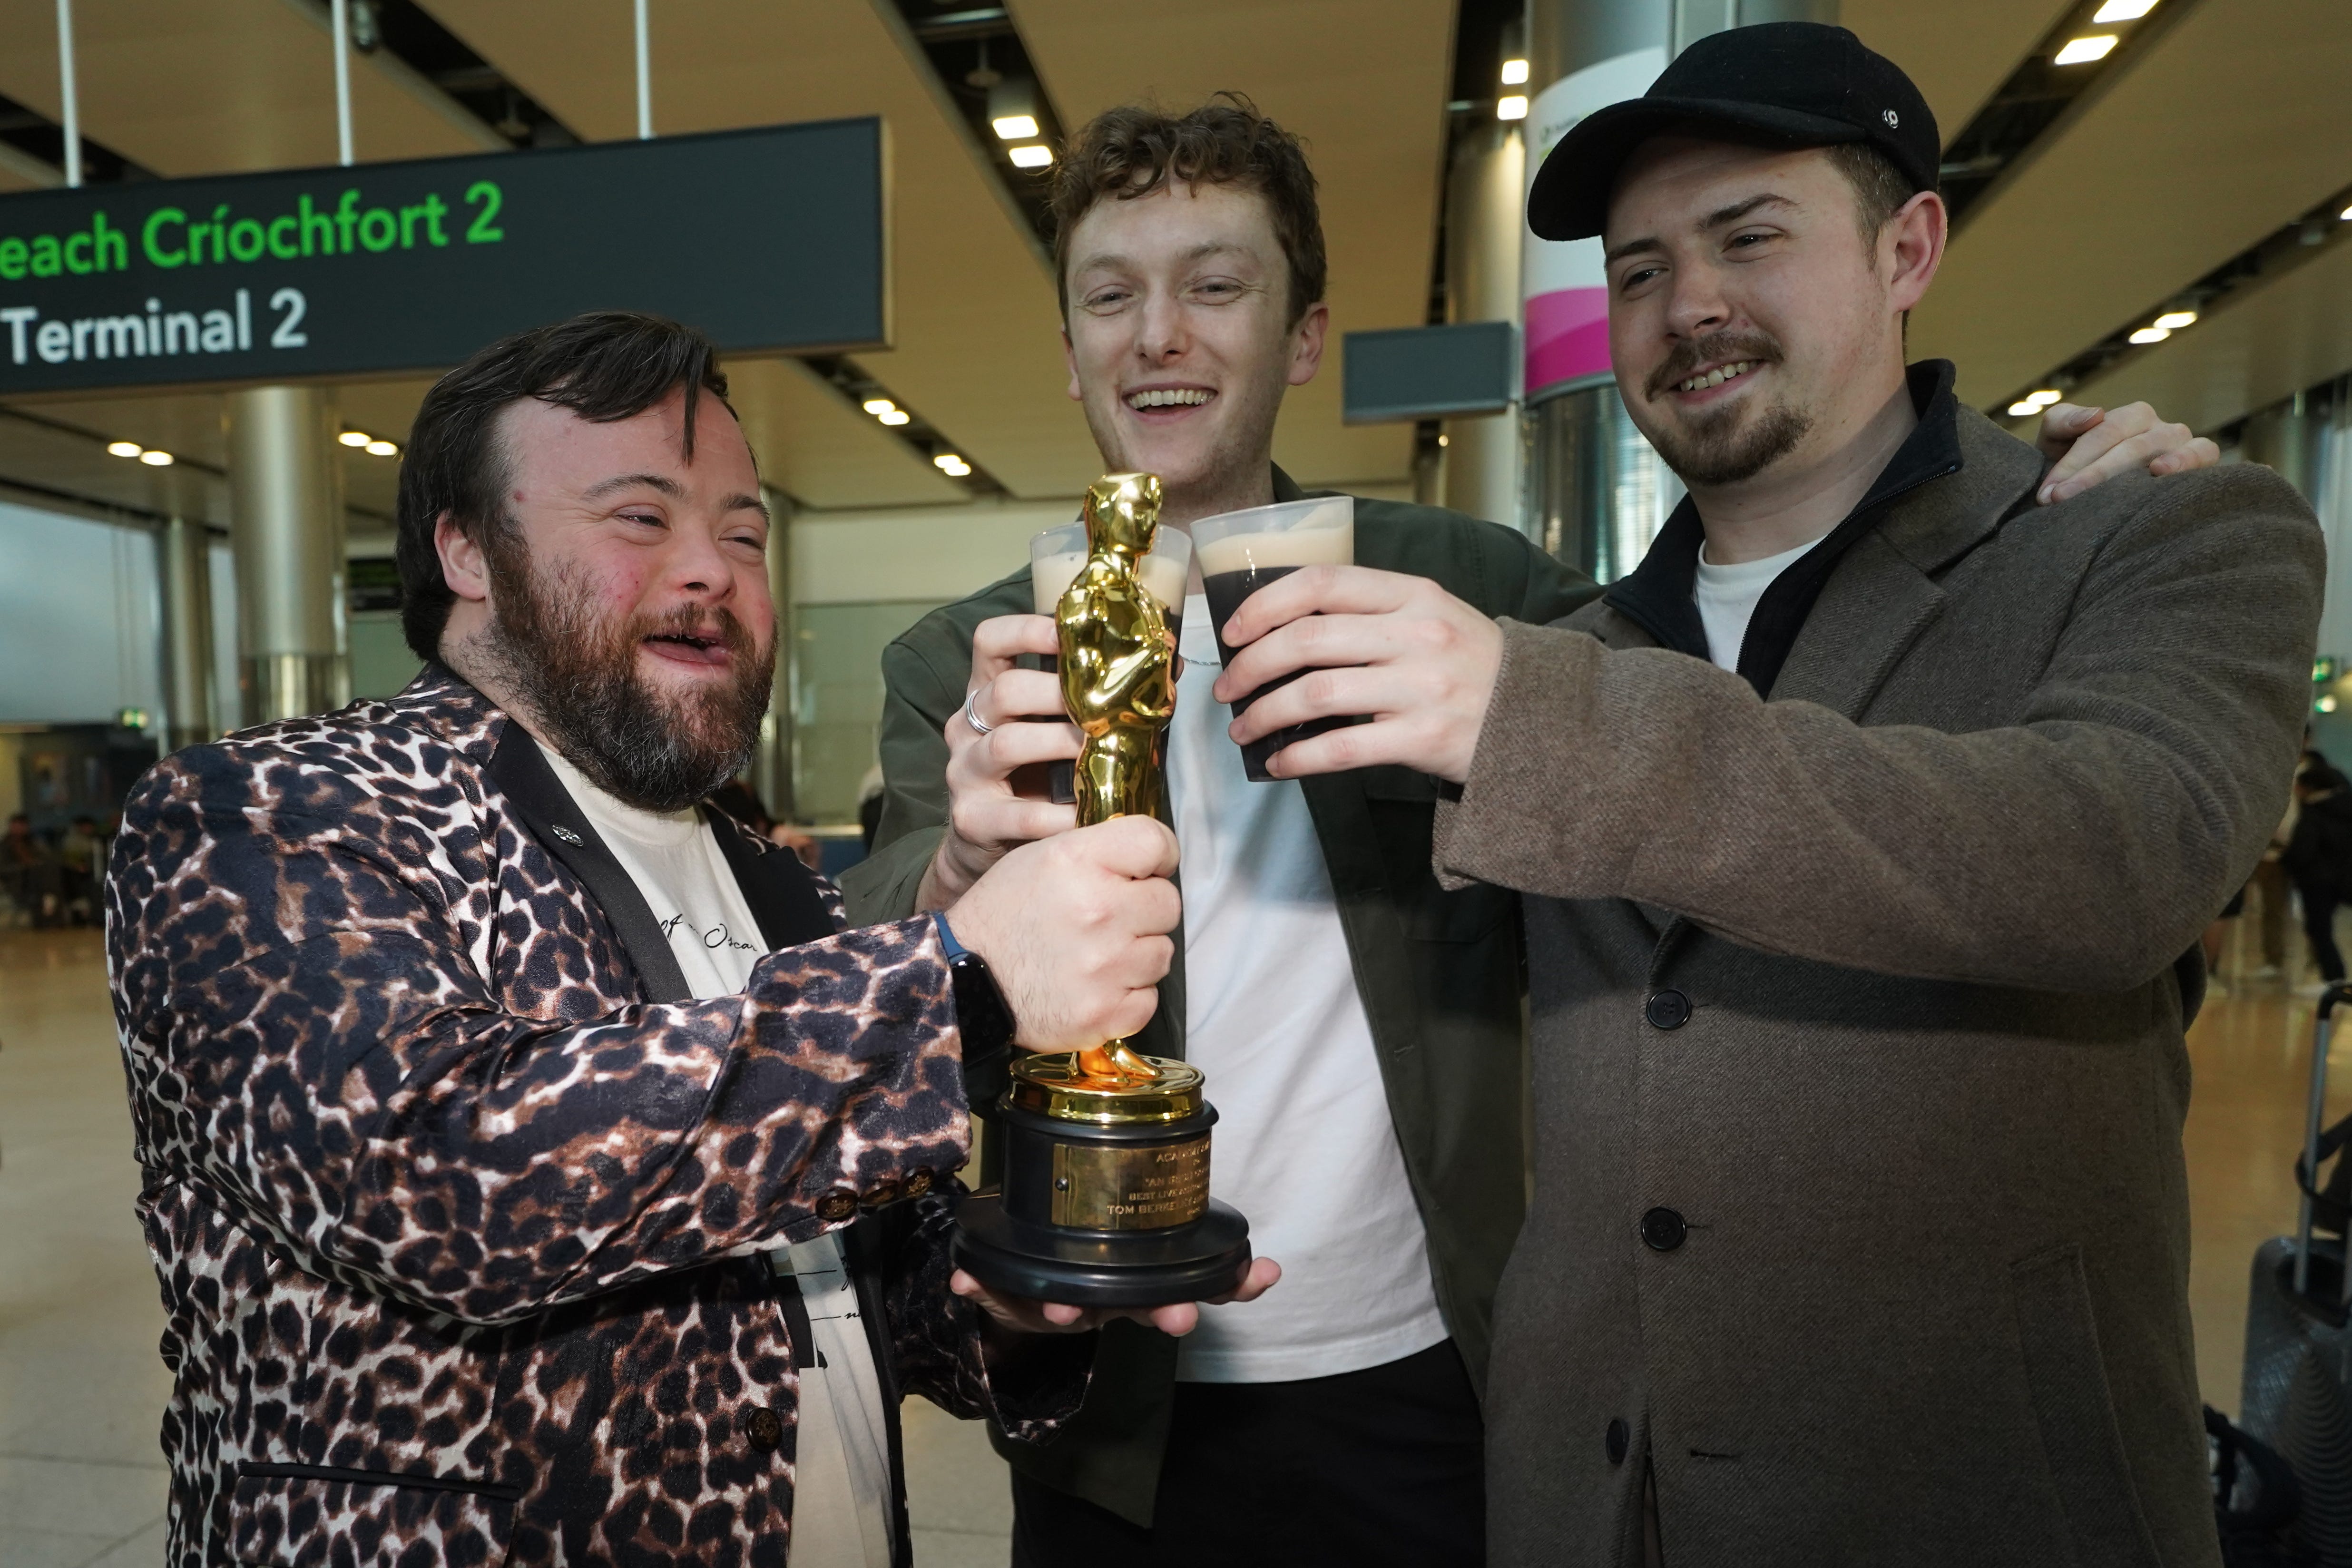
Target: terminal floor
{"type": "Point", "coordinates": [81, 1479]}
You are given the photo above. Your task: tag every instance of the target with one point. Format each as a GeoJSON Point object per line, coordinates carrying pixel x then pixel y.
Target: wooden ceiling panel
{"type": "Point", "coordinates": [821, 451]}
{"type": "Point", "coordinates": [206, 87]}
{"type": "Point", "coordinates": [1365, 83]}
{"type": "Point", "coordinates": [2269, 343]}
{"type": "Point", "coordinates": [2229, 127]}
{"type": "Point", "coordinates": [977, 352]}
{"type": "Point", "coordinates": [1958, 55]}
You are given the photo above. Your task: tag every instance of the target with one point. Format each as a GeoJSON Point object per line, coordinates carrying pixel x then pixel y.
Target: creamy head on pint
{"type": "Point", "coordinates": [1292, 547]}
{"type": "Point", "coordinates": [1162, 572]}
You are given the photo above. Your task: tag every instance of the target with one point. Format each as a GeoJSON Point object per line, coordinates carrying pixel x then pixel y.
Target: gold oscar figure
{"type": "Point", "coordinates": [1119, 681]}
{"type": "Point", "coordinates": [1105, 1199]}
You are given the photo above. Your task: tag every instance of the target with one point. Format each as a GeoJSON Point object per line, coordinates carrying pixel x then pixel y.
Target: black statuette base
{"type": "Point", "coordinates": [1206, 1259]}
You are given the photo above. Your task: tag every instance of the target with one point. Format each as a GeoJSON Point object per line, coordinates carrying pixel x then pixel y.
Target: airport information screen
{"type": "Point", "coordinates": [768, 239]}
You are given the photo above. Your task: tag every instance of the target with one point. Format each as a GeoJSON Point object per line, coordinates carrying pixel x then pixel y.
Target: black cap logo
{"type": "Point", "coordinates": [1892, 119]}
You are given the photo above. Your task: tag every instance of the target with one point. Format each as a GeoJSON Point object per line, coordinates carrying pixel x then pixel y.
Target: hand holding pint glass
{"type": "Point", "coordinates": [1242, 551]}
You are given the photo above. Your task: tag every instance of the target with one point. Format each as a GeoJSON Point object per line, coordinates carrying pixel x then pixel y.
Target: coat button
{"type": "Point", "coordinates": [882, 1192]}
{"type": "Point", "coordinates": [1612, 1442]}
{"type": "Point", "coordinates": [836, 1205]}
{"type": "Point", "coordinates": [765, 1430]}
{"type": "Point", "coordinates": [1663, 1230]}
{"type": "Point", "coordinates": [918, 1182]}
{"type": "Point", "coordinates": [1666, 1009]}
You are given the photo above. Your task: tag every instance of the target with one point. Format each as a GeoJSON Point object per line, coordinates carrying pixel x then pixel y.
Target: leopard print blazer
{"type": "Point", "coordinates": [460, 1237]}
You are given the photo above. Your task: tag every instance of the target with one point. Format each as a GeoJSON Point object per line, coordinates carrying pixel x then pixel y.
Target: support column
{"type": "Point", "coordinates": [1597, 493]}
{"type": "Point", "coordinates": [286, 510]}
{"type": "Point", "coordinates": [184, 558]}
{"type": "Point", "coordinates": [771, 767]}
{"type": "Point", "coordinates": [1484, 218]}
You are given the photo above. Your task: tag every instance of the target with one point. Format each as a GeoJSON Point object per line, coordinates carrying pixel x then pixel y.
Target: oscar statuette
{"type": "Point", "coordinates": [1104, 1200]}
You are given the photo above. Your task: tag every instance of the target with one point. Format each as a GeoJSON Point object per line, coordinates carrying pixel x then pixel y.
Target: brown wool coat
{"type": "Point", "coordinates": [1921, 1130]}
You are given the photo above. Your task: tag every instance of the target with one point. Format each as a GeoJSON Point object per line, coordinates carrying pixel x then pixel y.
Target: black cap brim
{"type": "Point", "coordinates": [1569, 199]}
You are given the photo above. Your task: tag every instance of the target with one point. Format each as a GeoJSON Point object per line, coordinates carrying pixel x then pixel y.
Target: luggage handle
{"type": "Point", "coordinates": [2336, 993]}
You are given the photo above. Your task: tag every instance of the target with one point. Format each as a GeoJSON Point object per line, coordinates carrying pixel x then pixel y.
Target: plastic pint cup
{"type": "Point", "coordinates": [1055, 557]}
{"type": "Point", "coordinates": [1242, 551]}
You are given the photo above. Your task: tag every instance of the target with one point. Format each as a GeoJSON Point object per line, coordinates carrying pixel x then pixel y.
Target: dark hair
{"type": "Point", "coordinates": [2320, 777]}
{"type": "Point", "coordinates": [1880, 188]}
{"type": "Point", "coordinates": [604, 365]}
{"type": "Point", "coordinates": [1123, 153]}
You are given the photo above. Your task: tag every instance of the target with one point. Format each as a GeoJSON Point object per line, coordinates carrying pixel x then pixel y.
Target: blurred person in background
{"type": "Point", "coordinates": [1865, 833]}
{"type": "Point", "coordinates": [2318, 861]}
{"type": "Point", "coordinates": [1360, 1025]}
{"type": "Point", "coordinates": [29, 873]}
{"type": "Point", "coordinates": [536, 1167]}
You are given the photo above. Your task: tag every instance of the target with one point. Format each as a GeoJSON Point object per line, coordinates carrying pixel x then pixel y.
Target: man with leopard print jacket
{"type": "Point", "coordinates": [479, 1207]}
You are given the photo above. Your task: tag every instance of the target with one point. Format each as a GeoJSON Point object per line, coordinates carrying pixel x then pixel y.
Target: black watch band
{"type": "Point", "coordinates": [982, 1015]}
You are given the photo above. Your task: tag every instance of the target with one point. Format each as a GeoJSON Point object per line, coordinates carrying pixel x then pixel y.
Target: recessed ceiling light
{"type": "Point", "coordinates": [2122, 11]}
{"type": "Point", "coordinates": [2023, 407]}
{"type": "Point", "coordinates": [381, 449]}
{"type": "Point", "coordinates": [2327, 704]}
{"type": "Point", "coordinates": [156, 460]}
{"type": "Point", "coordinates": [1511, 106]}
{"type": "Point", "coordinates": [1035, 155]}
{"type": "Point", "coordinates": [946, 461]}
{"type": "Point", "coordinates": [354, 437]}
{"type": "Point", "coordinates": [895, 417]}
{"type": "Point", "coordinates": [878, 407]}
{"type": "Point", "coordinates": [2084, 50]}
{"type": "Point", "coordinates": [1514, 72]}
{"type": "Point", "coordinates": [2151, 335]}
{"type": "Point", "coordinates": [1015, 127]}
{"type": "Point", "coordinates": [2044, 397]}
{"type": "Point", "coordinates": [2173, 320]}
{"type": "Point", "coordinates": [125, 448]}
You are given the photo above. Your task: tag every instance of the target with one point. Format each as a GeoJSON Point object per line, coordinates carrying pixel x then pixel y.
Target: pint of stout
{"type": "Point", "coordinates": [1055, 558]}
{"type": "Point", "coordinates": [1242, 551]}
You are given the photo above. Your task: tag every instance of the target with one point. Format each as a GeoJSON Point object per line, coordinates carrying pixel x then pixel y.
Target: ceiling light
{"type": "Point", "coordinates": [2173, 320]}
{"type": "Point", "coordinates": [878, 406]}
{"type": "Point", "coordinates": [2084, 50]}
{"type": "Point", "coordinates": [1035, 155]}
{"type": "Point", "coordinates": [354, 437]}
{"type": "Point", "coordinates": [381, 449]}
{"type": "Point", "coordinates": [2151, 335]}
{"type": "Point", "coordinates": [2345, 215]}
{"type": "Point", "coordinates": [2022, 407]}
{"type": "Point", "coordinates": [2044, 397]}
{"type": "Point", "coordinates": [946, 461]}
{"type": "Point", "coordinates": [1015, 127]}
{"type": "Point", "coordinates": [895, 417]}
{"type": "Point", "coordinates": [156, 460]}
{"type": "Point", "coordinates": [125, 448]}
{"type": "Point", "coordinates": [1514, 72]}
{"type": "Point", "coordinates": [2124, 11]}
{"type": "Point", "coordinates": [1511, 106]}
{"type": "Point", "coordinates": [955, 467]}
{"type": "Point", "coordinates": [2327, 704]}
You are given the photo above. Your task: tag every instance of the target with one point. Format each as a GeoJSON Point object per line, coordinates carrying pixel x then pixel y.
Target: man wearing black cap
{"type": "Point", "coordinates": [1865, 833]}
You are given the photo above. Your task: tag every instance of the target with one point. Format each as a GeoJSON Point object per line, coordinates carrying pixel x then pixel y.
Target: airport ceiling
{"type": "Point", "coordinates": [2222, 129]}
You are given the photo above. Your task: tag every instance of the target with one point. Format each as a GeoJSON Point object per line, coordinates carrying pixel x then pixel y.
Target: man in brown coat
{"type": "Point", "coordinates": [1865, 834]}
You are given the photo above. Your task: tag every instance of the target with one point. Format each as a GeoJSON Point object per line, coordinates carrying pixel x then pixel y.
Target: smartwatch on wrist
{"type": "Point", "coordinates": [981, 1013]}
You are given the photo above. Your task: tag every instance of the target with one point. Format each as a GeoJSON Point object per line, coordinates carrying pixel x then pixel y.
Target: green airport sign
{"type": "Point", "coordinates": [769, 240]}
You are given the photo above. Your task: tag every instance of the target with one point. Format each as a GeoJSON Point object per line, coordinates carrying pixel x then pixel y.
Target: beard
{"type": "Point", "coordinates": [578, 674]}
{"type": "Point", "coordinates": [1725, 445]}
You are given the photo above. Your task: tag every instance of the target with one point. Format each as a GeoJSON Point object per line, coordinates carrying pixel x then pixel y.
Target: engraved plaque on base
{"type": "Point", "coordinates": [1106, 1198]}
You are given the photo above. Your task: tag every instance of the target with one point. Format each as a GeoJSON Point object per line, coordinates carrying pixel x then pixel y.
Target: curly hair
{"type": "Point", "coordinates": [1126, 152]}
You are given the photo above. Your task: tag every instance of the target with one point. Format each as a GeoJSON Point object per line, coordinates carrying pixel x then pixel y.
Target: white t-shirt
{"type": "Point", "coordinates": [840, 1482]}
{"type": "Point", "coordinates": [1304, 1144]}
{"type": "Point", "coordinates": [1727, 597]}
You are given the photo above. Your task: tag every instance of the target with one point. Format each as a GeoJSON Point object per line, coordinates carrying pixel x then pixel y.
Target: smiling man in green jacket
{"type": "Point", "coordinates": [1360, 1027]}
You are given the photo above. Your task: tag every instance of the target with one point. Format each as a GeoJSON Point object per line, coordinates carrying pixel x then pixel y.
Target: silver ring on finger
{"type": "Point", "coordinates": [971, 714]}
